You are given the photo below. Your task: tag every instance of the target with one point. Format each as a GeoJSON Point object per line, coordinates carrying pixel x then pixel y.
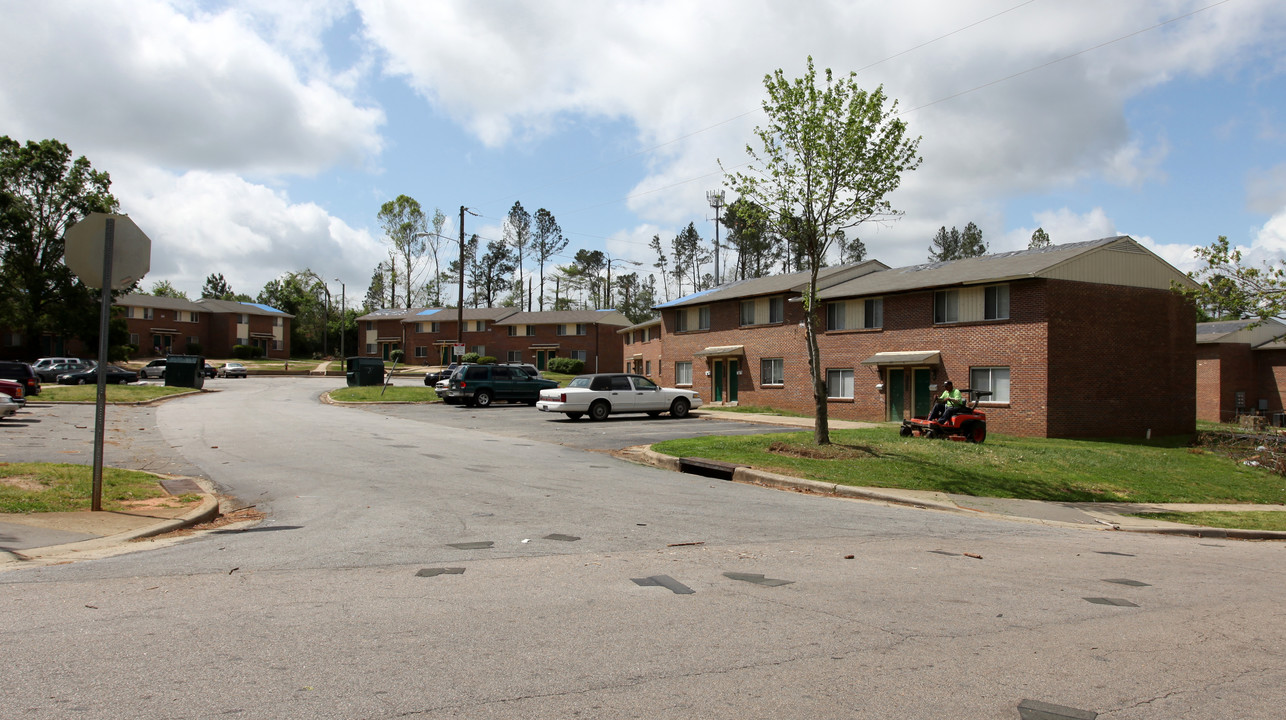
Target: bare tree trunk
{"type": "Point", "coordinates": [821, 424]}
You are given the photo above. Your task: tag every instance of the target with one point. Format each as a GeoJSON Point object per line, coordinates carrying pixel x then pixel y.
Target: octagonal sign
{"type": "Point", "coordinates": [83, 253]}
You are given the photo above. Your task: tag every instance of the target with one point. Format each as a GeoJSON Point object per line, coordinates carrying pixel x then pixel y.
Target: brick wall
{"type": "Point", "coordinates": [1270, 372]}
{"type": "Point", "coordinates": [1122, 361]}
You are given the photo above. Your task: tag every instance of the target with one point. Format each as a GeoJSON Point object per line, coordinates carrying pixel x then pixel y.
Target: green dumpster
{"type": "Point", "coordinates": [184, 371]}
{"type": "Point", "coordinates": [363, 371]}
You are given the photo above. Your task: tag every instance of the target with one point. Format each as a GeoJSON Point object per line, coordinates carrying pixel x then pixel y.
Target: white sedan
{"type": "Point", "coordinates": [606, 393]}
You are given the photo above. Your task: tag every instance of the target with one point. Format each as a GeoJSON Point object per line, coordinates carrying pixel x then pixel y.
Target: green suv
{"type": "Point", "coordinates": [482, 385]}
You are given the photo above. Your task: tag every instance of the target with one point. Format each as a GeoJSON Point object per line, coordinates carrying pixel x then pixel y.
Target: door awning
{"type": "Point", "coordinates": [545, 346]}
{"type": "Point", "coordinates": [720, 350]}
{"type": "Point", "coordinates": [165, 331]}
{"type": "Point", "coordinates": [263, 336]}
{"type": "Point", "coordinates": [905, 357]}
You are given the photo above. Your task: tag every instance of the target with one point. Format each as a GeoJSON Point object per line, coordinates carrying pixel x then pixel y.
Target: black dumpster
{"type": "Point", "coordinates": [363, 371]}
{"type": "Point", "coordinates": [184, 371]}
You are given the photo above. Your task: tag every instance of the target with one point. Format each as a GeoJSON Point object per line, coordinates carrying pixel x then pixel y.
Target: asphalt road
{"type": "Point", "coordinates": [444, 563]}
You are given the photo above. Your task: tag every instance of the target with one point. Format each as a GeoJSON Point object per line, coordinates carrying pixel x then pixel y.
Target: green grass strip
{"type": "Point", "coordinates": [60, 487]}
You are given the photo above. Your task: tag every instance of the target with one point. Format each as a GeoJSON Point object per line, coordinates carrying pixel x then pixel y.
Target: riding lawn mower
{"type": "Point", "coordinates": [966, 424]}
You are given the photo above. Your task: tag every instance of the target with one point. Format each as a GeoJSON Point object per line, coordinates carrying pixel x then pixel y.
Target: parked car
{"type": "Point", "coordinates": [154, 369]}
{"type": "Point", "coordinates": [524, 367]}
{"type": "Point", "coordinates": [115, 376]}
{"type": "Point", "coordinates": [438, 374]}
{"type": "Point", "coordinates": [42, 363]}
{"type": "Point", "coordinates": [602, 394]}
{"type": "Point", "coordinates": [20, 372]}
{"type": "Point", "coordinates": [14, 390]}
{"type": "Point", "coordinates": [210, 371]}
{"type": "Point", "coordinates": [7, 406]}
{"type": "Point", "coordinates": [232, 369]}
{"type": "Point", "coordinates": [481, 385]}
{"type": "Point", "coordinates": [50, 373]}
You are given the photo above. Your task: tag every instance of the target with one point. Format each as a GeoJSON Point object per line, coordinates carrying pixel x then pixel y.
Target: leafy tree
{"type": "Point", "coordinates": [163, 288]}
{"type": "Point", "coordinates": [588, 266]}
{"type": "Point", "coordinates": [434, 241]}
{"type": "Point", "coordinates": [43, 191]}
{"type": "Point", "coordinates": [493, 272]}
{"type": "Point", "coordinates": [638, 296]}
{"type": "Point", "coordinates": [378, 287]}
{"type": "Point", "coordinates": [300, 294]}
{"type": "Point", "coordinates": [829, 157]}
{"type": "Point", "coordinates": [517, 233]}
{"type": "Point", "coordinates": [217, 288]}
{"type": "Point", "coordinates": [405, 226]}
{"type": "Point", "coordinates": [1039, 239]}
{"type": "Point", "coordinates": [971, 244]}
{"type": "Point", "coordinates": [1231, 290]}
{"type": "Point", "coordinates": [452, 274]}
{"type": "Point", "coordinates": [945, 245]}
{"type": "Point", "coordinates": [850, 251]}
{"type": "Point", "coordinates": [757, 248]}
{"type": "Point", "coordinates": [546, 242]}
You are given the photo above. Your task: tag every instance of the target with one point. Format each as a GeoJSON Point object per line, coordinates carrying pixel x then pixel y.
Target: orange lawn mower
{"type": "Point", "coordinates": [964, 423]}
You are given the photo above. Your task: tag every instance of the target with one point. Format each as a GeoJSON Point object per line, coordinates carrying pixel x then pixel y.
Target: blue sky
{"type": "Point", "coordinates": [256, 137]}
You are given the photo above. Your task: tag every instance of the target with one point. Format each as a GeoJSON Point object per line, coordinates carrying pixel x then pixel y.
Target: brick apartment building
{"type": "Point", "coordinates": [429, 335]}
{"type": "Point", "coordinates": [1077, 340]}
{"type": "Point", "coordinates": [1241, 370]}
{"type": "Point", "coordinates": [163, 325]}
{"type": "Point", "coordinates": [643, 349]}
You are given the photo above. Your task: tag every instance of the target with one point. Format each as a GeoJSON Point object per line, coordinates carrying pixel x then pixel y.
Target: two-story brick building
{"type": "Point", "coordinates": [163, 325]}
{"type": "Point", "coordinates": [1241, 369]}
{"type": "Point", "coordinates": [1076, 340]}
{"type": "Point", "coordinates": [643, 348]}
{"type": "Point", "coordinates": [586, 335]}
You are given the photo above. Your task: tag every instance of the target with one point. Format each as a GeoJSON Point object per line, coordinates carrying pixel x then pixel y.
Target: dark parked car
{"type": "Point", "coordinates": [210, 371]}
{"type": "Point", "coordinates": [483, 384]}
{"type": "Point", "coordinates": [115, 376]}
{"type": "Point", "coordinates": [21, 372]}
{"type": "Point", "coordinates": [50, 373]}
{"type": "Point", "coordinates": [432, 377]}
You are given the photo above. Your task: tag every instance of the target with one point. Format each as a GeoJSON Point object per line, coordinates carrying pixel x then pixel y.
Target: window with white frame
{"type": "Point", "coordinates": [946, 306]}
{"type": "Point", "coordinates": [855, 314]}
{"type": "Point", "coordinates": [839, 383]}
{"type": "Point", "coordinates": [481, 350]}
{"type": "Point", "coordinates": [683, 372]}
{"type": "Point", "coordinates": [629, 338]}
{"type": "Point", "coordinates": [582, 355]}
{"type": "Point", "coordinates": [993, 379]}
{"type": "Point", "coordinates": [647, 367]}
{"type": "Point", "coordinates": [245, 319]}
{"type": "Point", "coordinates": [513, 356]}
{"type": "Point", "coordinates": [243, 341]}
{"type": "Point", "coordinates": [277, 345]}
{"type": "Point", "coordinates": [435, 327]}
{"type": "Point", "coordinates": [995, 302]}
{"type": "Point", "coordinates": [133, 339]}
{"type": "Point", "coordinates": [370, 348]}
{"type": "Point", "coordinates": [421, 351]}
{"type": "Point", "coordinates": [475, 325]}
{"type": "Point", "coordinates": [194, 340]}
{"type": "Point", "coordinates": [370, 325]}
{"type": "Point", "coordinates": [147, 313]}
{"type": "Point", "coordinates": [763, 311]}
{"type": "Point", "coordinates": [703, 318]}
{"type": "Point", "coordinates": [278, 322]}
{"type": "Point", "coordinates": [681, 321]}
{"type": "Point", "coordinates": [772, 371]}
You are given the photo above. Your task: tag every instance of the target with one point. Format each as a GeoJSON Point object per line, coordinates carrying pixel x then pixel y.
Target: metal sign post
{"type": "Point", "coordinates": [100, 402]}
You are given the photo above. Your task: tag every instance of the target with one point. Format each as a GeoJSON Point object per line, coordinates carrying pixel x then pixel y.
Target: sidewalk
{"type": "Point", "coordinates": [29, 539]}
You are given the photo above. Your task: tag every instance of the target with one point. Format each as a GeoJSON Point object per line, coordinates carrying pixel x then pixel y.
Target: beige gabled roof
{"type": "Point", "coordinates": [161, 303]}
{"type": "Point", "coordinates": [392, 314]}
{"type": "Point", "coordinates": [656, 321]}
{"type": "Point", "coordinates": [1110, 261]}
{"type": "Point", "coordinates": [1269, 332]}
{"type": "Point", "coordinates": [564, 317]}
{"type": "Point", "coordinates": [775, 284]}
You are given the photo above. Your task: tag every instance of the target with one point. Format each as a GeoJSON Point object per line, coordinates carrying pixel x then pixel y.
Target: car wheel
{"type": "Point", "coordinates": [575, 416]}
{"type": "Point", "coordinates": [599, 410]}
{"type": "Point", "coordinates": [482, 399]}
{"type": "Point", "coordinates": [679, 408]}
{"type": "Point", "coordinates": [81, 381]}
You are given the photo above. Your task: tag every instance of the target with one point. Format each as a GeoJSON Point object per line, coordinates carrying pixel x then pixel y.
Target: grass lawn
{"type": "Point", "coordinates": [759, 410]}
{"type": "Point", "coordinates": [115, 393]}
{"type": "Point", "coordinates": [1009, 467]}
{"type": "Point", "coordinates": [50, 487]}
{"type": "Point", "coordinates": [392, 393]}
{"type": "Point", "coordinates": [1252, 520]}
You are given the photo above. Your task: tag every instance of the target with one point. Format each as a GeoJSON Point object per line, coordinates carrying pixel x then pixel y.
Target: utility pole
{"type": "Point", "coordinates": [459, 310]}
{"type": "Point", "coordinates": [715, 198]}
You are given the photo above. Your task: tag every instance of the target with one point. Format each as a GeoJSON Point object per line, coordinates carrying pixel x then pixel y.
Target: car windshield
{"type": "Point", "coordinates": [582, 381]}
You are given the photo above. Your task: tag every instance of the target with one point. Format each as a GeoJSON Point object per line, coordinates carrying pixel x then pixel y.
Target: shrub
{"type": "Point", "coordinates": [486, 360]}
{"type": "Point", "coordinates": [469, 358]}
{"type": "Point", "coordinates": [242, 352]}
{"type": "Point", "coordinates": [256, 352]}
{"type": "Point", "coordinates": [396, 356]}
{"type": "Point", "coordinates": [194, 348]}
{"type": "Point", "coordinates": [566, 366]}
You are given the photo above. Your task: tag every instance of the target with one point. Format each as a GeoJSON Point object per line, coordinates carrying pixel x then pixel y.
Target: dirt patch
{"type": "Point", "coordinates": [26, 483]}
{"type": "Point", "coordinates": [240, 515]}
{"type": "Point", "coordinates": [834, 451]}
{"type": "Point", "coordinates": [165, 501]}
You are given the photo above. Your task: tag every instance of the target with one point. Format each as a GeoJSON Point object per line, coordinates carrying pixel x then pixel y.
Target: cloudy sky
{"type": "Point", "coordinates": [256, 137]}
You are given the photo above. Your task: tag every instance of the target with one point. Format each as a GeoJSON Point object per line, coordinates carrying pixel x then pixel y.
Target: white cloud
{"type": "Point", "coordinates": [202, 223]}
{"type": "Point", "coordinates": [126, 79]}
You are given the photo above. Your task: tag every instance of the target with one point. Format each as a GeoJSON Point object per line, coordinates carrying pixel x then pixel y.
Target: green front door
{"type": "Point", "coordinates": [922, 398]}
{"type": "Point", "coordinates": [718, 381]}
{"type": "Point", "coordinates": [542, 358]}
{"type": "Point", "coordinates": [895, 392]}
{"type": "Point", "coordinates": [733, 367]}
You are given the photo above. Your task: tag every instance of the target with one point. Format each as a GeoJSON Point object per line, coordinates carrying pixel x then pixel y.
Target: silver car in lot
{"type": "Point", "coordinates": [604, 394]}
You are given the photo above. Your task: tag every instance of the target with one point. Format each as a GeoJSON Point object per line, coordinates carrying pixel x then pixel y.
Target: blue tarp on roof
{"type": "Point", "coordinates": [686, 298]}
{"type": "Point", "coordinates": [261, 306]}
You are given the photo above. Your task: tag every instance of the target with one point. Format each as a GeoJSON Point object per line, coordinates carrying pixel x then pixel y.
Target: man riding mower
{"type": "Point", "coordinates": [952, 417]}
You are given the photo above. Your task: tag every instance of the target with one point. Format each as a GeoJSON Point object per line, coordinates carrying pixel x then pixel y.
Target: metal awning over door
{"type": "Point", "coordinates": [905, 357]}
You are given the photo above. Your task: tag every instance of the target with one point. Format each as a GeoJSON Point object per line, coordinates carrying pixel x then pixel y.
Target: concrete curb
{"type": "Point", "coordinates": [936, 501]}
{"type": "Point", "coordinates": [206, 511]}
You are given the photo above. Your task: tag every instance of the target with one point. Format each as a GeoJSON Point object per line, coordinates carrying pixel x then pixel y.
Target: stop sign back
{"type": "Point", "coordinates": [83, 250]}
